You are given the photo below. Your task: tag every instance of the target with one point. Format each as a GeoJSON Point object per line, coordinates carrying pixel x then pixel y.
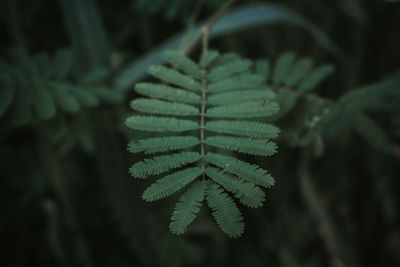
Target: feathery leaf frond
{"type": "Point", "coordinates": [225, 211]}
{"type": "Point", "coordinates": [243, 145]}
{"type": "Point", "coordinates": [263, 68]}
{"type": "Point", "coordinates": [160, 164]}
{"type": "Point", "coordinates": [224, 59]}
{"type": "Point", "coordinates": [64, 98]}
{"type": "Point", "coordinates": [42, 87]}
{"type": "Point", "coordinates": [262, 93]}
{"type": "Point", "coordinates": [167, 93]}
{"type": "Point", "coordinates": [299, 70]}
{"type": "Point", "coordinates": [249, 194]}
{"type": "Point", "coordinates": [154, 106]}
{"type": "Point", "coordinates": [249, 172]}
{"type": "Point", "coordinates": [251, 109]}
{"type": "Point", "coordinates": [315, 77]}
{"type": "Point", "coordinates": [44, 103]}
{"type": "Point", "coordinates": [157, 124]}
{"type": "Point", "coordinates": [282, 67]}
{"type": "Point", "coordinates": [187, 208]}
{"type": "Point", "coordinates": [170, 184]}
{"type": "Point", "coordinates": [181, 62]}
{"type": "Point", "coordinates": [244, 128]}
{"type": "Point", "coordinates": [174, 77]}
{"type": "Point", "coordinates": [162, 144]}
{"type": "Point", "coordinates": [234, 67]}
{"type": "Point", "coordinates": [224, 87]}
{"type": "Point", "coordinates": [240, 82]}
{"type": "Point", "coordinates": [208, 58]}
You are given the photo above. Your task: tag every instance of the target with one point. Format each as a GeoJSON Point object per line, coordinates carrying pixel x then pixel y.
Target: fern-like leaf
{"type": "Point", "coordinates": [240, 82]}
{"type": "Point", "coordinates": [243, 128]}
{"type": "Point", "coordinates": [316, 76]}
{"type": "Point", "coordinates": [63, 63]}
{"type": "Point", "coordinates": [162, 144]}
{"type": "Point", "coordinates": [174, 77]}
{"type": "Point", "coordinates": [243, 145]}
{"type": "Point", "coordinates": [263, 68]}
{"type": "Point", "coordinates": [282, 67]}
{"type": "Point", "coordinates": [44, 103]}
{"type": "Point", "coordinates": [160, 164]}
{"type": "Point", "coordinates": [171, 184]}
{"type": "Point", "coordinates": [225, 211]}
{"type": "Point", "coordinates": [224, 87]}
{"type": "Point", "coordinates": [251, 109]}
{"type": "Point", "coordinates": [183, 63]}
{"type": "Point", "coordinates": [64, 99]}
{"type": "Point", "coordinates": [154, 106]}
{"type": "Point", "coordinates": [167, 92]}
{"type": "Point", "coordinates": [85, 97]}
{"type": "Point", "coordinates": [156, 124]}
{"type": "Point", "coordinates": [236, 97]}
{"type": "Point", "coordinates": [187, 208]}
{"type": "Point", "coordinates": [225, 59]}
{"type": "Point", "coordinates": [208, 58]}
{"type": "Point", "coordinates": [299, 71]}
{"type": "Point", "coordinates": [249, 172]}
{"type": "Point", "coordinates": [249, 194]}
{"type": "Point", "coordinates": [234, 67]}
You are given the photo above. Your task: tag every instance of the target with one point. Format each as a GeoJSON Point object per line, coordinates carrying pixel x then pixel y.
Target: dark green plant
{"type": "Point", "coordinates": [38, 88]}
{"type": "Point", "coordinates": [220, 96]}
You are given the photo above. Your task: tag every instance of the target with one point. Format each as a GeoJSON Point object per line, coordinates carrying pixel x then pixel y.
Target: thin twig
{"type": "Point", "coordinates": [326, 228]}
{"type": "Point", "coordinates": [208, 26]}
{"type": "Point", "coordinates": [191, 24]}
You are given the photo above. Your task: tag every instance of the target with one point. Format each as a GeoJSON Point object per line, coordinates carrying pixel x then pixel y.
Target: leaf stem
{"type": "Point", "coordinates": [208, 26]}
{"type": "Point", "coordinates": [202, 119]}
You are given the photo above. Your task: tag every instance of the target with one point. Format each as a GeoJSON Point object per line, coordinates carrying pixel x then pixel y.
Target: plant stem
{"type": "Point", "coordinates": [208, 26]}
{"type": "Point", "coordinates": [326, 228]}
{"type": "Point", "coordinates": [52, 166]}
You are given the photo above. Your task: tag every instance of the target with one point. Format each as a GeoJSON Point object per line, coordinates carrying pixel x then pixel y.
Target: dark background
{"type": "Point", "coordinates": [65, 192]}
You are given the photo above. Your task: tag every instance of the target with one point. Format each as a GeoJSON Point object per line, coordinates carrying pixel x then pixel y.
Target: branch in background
{"type": "Point", "coordinates": [191, 25]}
{"type": "Point", "coordinates": [52, 167]}
{"type": "Point", "coordinates": [321, 217]}
{"type": "Point", "coordinates": [208, 26]}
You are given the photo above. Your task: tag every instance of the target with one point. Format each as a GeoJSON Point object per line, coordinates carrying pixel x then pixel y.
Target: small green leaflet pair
{"type": "Point", "coordinates": [40, 86]}
{"type": "Point", "coordinates": [199, 116]}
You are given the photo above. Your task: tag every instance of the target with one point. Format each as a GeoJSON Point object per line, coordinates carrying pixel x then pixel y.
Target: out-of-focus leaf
{"type": "Point", "coordinates": [243, 18]}
{"type": "Point", "coordinates": [7, 94]}
{"type": "Point", "coordinates": [370, 131]}
{"type": "Point", "coordinates": [86, 32]}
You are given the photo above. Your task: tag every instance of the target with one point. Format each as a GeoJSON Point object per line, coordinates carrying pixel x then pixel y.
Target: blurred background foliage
{"type": "Point", "coordinates": [67, 69]}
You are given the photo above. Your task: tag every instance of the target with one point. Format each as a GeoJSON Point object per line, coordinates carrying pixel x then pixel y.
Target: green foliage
{"type": "Point", "coordinates": [225, 211]}
{"type": "Point", "coordinates": [167, 93]}
{"type": "Point", "coordinates": [172, 9]}
{"type": "Point", "coordinates": [157, 124]}
{"type": "Point", "coordinates": [203, 86]}
{"type": "Point", "coordinates": [249, 172]}
{"type": "Point", "coordinates": [162, 144]}
{"type": "Point", "coordinates": [248, 193]}
{"type": "Point", "coordinates": [42, 86]}
{"type": "Point", "coordinates": [292, 77]}
{"type": "Point", "coordinates": [171, 184]}
{"type": "Point", "coordinates": [163, 107]}
{"type": "Point", "coordinates": [161, 164]}
{"type": "Point", "coordinates": [187, 208]}
{"type": "Point", "coordinates": [244, 128]}
{"type": "Point", "coordinates": [243, 145]}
